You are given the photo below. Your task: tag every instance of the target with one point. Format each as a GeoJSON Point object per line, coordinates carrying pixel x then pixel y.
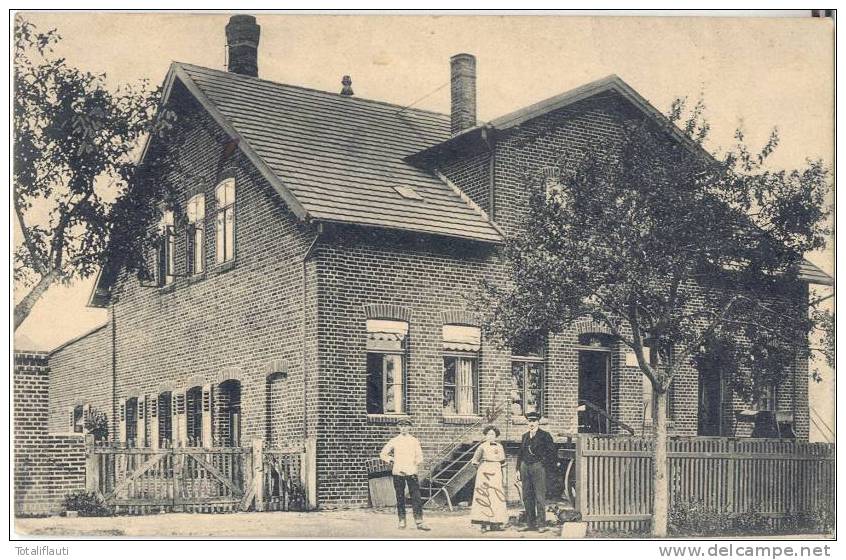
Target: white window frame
{"type": "Point", "coordinates": [473, 358]}
{"type": "Point", "coordinates": [389, 350]}
{"type": "Point", "coordinates": [167, 250]}
{"type": "Point", "coordinates": [195, 239]}
{"type": "Point", "coordinates": [225, 195]}
{"type": "Point", "coordinates": [525, 361]}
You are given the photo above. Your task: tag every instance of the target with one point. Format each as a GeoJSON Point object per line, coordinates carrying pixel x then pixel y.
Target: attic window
{"type": "Point", "coordinates": [408, 192]}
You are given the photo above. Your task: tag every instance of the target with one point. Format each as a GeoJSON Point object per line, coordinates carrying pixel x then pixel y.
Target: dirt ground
{"type": "Point", "coordinates": [361, 523]}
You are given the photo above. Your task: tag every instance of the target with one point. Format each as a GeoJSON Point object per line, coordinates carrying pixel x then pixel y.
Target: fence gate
{"type": "Point", "coordinates": [145, 480]}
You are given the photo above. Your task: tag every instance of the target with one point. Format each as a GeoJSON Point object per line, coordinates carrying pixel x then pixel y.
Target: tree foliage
{"type": "Point", "coordinates": [669, 248]}
{"type": "Point", "coordinates": [683, 256]}
{"type": "Point", "coordinates": [77, 189]}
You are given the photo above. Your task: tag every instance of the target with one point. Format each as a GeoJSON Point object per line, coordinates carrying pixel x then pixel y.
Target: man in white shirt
{"type": "Point", "coordinates": [405, 455]}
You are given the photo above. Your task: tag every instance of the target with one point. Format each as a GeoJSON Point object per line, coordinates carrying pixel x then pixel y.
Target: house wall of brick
{"type": "Point", "coordinates": [81, 374]}
{"type": "Point", "coordinates": [47, 465]}
{"type": "Point", "coordinates": [239, 320]}
{"type": "Point", "coordinates": [294, 334]}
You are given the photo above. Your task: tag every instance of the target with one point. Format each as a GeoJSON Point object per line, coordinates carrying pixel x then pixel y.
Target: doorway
{"type": "Point", "coordinates": [710, 399]}
{"type": "Point", "coordinates": [594, 384]}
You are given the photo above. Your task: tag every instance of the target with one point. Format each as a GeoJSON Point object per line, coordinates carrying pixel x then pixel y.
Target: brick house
{"type": "Point", "coordinates": [316, 288]}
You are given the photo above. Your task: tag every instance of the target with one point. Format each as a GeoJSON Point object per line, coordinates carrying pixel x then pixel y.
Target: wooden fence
{"type": "Point", "coordinates": [195, 479]}
{"type": "Point", "coordinates": [774, 478]}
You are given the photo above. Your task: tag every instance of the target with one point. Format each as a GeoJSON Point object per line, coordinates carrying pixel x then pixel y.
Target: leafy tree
{"type": "Point", "coordinates": [679, 254]}
{"type": "Point", "coordinates": [77, 189]}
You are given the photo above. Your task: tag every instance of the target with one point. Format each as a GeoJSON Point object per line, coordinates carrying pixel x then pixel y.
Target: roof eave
{"type": "Point", "coordinates": [611, 83]}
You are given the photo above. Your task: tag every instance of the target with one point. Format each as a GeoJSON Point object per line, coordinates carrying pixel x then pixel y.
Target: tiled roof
{"type": "Point", "coordinates": [342, 158]}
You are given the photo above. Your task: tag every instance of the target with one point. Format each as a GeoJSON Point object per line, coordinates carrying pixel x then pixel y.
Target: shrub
{"type": "Point", "coordinates": [86, 504]}
{"type": "Point", "coordinates": [695, 518]}
{"type": "Point", "coordinates": [97, 424]}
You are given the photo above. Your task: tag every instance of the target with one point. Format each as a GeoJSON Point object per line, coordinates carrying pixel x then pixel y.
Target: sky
{"type": "Point", "coordinates": [754, 72]}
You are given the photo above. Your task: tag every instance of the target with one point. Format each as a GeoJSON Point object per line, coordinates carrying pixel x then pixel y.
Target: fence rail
{"type": "Point", "coordinates": [774, 478]}
{"type": "Point", "coordinates": [195, 479]}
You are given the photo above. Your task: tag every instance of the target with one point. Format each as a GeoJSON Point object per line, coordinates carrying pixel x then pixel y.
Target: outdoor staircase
{"type": "Point", "coordinates": [450, 472]}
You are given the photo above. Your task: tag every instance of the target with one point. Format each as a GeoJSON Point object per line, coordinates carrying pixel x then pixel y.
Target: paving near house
{"type": "Point", "coordinates": [358, 523]}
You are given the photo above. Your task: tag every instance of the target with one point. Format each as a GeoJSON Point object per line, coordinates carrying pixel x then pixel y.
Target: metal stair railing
{"type": "Point", "coordinates": [444, 454]}
{"type": "Point", "coordinates": [596, 409]}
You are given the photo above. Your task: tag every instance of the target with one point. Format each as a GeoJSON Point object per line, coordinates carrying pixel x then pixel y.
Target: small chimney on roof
{"type": "Point", "coordinates": [242, 39]}
{"type": "Point", "coordinates": [463, 92]}
{"type": "Point", "coordinates": [347, 90]}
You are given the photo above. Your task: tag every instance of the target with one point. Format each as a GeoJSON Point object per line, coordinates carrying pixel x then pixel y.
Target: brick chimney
{"type": "Point", "coordinates": [242, 38]}
{"type": "Point", "coordinates": [463, 92]}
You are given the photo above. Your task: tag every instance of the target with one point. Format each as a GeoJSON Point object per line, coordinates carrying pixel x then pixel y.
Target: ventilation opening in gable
{"type": "Point", "coordinates": [408, 192]}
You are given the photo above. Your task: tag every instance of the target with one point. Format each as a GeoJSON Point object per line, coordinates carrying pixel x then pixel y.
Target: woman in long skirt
{"type": "Point", "coordinates": [488, 508]}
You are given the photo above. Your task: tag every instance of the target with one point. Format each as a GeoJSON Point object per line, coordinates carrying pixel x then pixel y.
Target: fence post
{"type": "Point", "coordinates": [258, 472]}
{"type": "Point", "coordinates": [581, 477]}
{"type": "Point", "coordinates": [308, 472]}
{"type": "Point", "coordinates": [92, 466]}
{"type": "Point", "coordinates": [731, 474]}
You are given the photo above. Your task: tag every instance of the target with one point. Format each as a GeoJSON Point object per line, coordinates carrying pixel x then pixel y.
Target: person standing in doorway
{"type": "Point", "coordinates": [404, 454]}
{"type": "Point", "coordinates": [536, 448]}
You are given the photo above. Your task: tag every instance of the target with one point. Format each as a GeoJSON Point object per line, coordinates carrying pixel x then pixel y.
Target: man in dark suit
{"type": "Point", "coordinates": [536, 448]}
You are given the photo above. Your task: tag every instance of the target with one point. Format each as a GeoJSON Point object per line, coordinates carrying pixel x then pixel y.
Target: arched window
{"type": "Point", "coordinates": [461, 346]}
{"type": "Point", "coordinates": [196, 214]}
{"type": "Point", "coordinates": [385, 366]}
{"type": "Point", "coordinates": [228, 408]}
{"type": "Point", "coordinates": [131, 420]}
{"type": "Point", "coordinates": [225, 221]}
{"type": "Point", "coordinates": [194, 412]}
{"type": "Point", "coordinates": [165, 419]}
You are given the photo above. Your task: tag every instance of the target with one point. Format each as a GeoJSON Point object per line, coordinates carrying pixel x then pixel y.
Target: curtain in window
{"type": "Point", "coordinates": [465, 401]}
{"type": "Point", "coordinates": [394, 401]}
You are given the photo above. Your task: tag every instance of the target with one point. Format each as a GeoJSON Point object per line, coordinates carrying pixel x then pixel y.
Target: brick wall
{"type": "Point", "coordinates": [81, 374]}
{"type": "Point", "coordinates": [294, 334]}
{"type": "Point", "coordinates": [47, 465]}
{"type": "Point", "coordinates": [234, 321]}
{"type": "Point", "coordinates": [428, 277]}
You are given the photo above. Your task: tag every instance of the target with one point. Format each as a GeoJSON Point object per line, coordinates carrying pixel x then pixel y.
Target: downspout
{"type": "Point", "coordinates": [114, 374]}
{"type": "Point", "coordinates": [306, 256]}
{"type": "Point", "coordinates": [309, 469]}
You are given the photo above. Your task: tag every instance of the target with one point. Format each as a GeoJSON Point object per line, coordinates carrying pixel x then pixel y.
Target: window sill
{"type": "Point", "coordinates": [461, 419]}
{"type": "Point", "coordinates": [224, 266]}
{"type": "Point", "coordinates": [168, 288]}
{"type": "Point", "coordinates": [521, 421]}
{"type": "Point", "coordinates": [194, 278]}
{"type": "Point", "coordinates": [386, 418]}
{"type": "Point", "coordinates": [750, 414]}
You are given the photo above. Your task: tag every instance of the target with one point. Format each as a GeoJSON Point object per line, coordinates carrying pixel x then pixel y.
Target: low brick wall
{"type": "Point", "coordinates": [47, 466]}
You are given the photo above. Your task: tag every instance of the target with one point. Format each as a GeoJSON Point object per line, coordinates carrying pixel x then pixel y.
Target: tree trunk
{"type": "Point", "coordinates": [661, 492]}
{"type": "Point", "coordinates": [24, 307]}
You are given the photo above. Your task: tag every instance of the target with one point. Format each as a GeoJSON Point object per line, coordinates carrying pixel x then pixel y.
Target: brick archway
{"type": "Point", "coordinates": [387, 311]}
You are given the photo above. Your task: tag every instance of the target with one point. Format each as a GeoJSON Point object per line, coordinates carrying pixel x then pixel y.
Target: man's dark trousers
{"type": "Point", "coordinates": [400, 482]}
{"type": "Point", "coordinates": [533, 476]}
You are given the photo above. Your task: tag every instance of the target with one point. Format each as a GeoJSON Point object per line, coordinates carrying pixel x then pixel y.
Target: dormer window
{"type": "Point", "coordinates": [196, 214]}
{"type": "Point", "coordinates": [225, 221]}
{"type": "Point", "coordinates": [408, 192]}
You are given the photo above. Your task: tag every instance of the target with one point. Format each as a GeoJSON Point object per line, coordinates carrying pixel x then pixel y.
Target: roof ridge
{"type": "Point", "coordinates": [315, 90]}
